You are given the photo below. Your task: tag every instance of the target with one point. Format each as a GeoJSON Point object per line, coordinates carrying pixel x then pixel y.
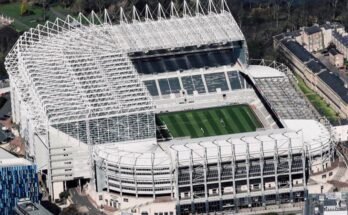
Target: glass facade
{"type": "Point", "coordinates": [17, 182]}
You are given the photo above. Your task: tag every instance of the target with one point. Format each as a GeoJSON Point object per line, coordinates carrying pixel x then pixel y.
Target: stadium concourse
{"type": "Point", "coordinates": [164, 114]}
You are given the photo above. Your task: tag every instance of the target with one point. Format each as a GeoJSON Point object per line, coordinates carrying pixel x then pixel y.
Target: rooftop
{"type": "Point", "coordinates": [336, 84]}
{"type": "Point", "coordinates": [332, 80]}
{"type": "Point", "coordinates": [334, 52]}
{"type": "Point", "coordinates": [342, 38]}
{"type": "Point", "coordinates": [88, 74]}
{"type": "Point", "coordinates": [258, 71]}
{"type": "Point", "coordinates": [301, 132]}
{"type": "Point", "coordinates": [312, 30]}
{"type": "Point", "coordinates": [8, 159]}
{"type": "Point", "coordinates": [26, 207]}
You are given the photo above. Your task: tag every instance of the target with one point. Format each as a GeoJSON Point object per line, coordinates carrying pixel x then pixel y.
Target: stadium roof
{"type": "Point", "coordinates": [309, 134]}
{"type": "Point", "coordinates": [260, 71]}
{"type": "Point", "coordinates": [77, 69]}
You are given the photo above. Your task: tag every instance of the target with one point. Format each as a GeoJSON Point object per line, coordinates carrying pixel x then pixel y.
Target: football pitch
{"type": "Point", "coordinates": [211, 121]}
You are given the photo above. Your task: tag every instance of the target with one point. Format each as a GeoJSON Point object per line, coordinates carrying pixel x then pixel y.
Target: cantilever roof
{"type": "Point", "coordinates": [178, 32]}
{"type": "Point", "coordinates": [77, 69]}
{"type": "Point", "coordinates": [299, 133]}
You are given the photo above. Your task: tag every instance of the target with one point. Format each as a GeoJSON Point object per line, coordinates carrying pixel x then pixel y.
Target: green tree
{"type": "Point", "coordinates": [23, 7]}
{"type": "Point", "coordinates": [64, 195]}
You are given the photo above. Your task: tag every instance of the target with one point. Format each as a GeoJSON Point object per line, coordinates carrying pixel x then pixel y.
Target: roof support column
{"type": "Point", "coordinates": [233, 168]}
{"type": "Point", "coordinates": [107, 176]}
{"type": "Point", "coordinates": [275, 163]}
{"type": "Point", "coordinates": [247, 165]}
{"type": "Point", "coordinates": [119, 175]}
{"type": "Point", "coordinates": [191, 182]}
{"type": "Point", "coordinates": [205, 167]}
{"type": "Point", "coordinates": [219, 177]}
{"type": "Point", "coordinates": [262, 163]}
{"type": "Point", "coordinates": [153, 176]}
{"type": "Point", "coordinates": [177, 182]}
{"type": "Point", "coordinates": [290, 168]}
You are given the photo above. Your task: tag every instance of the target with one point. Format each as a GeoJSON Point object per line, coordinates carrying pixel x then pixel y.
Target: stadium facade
{"type": "Point", "coordinates": [86, 95]}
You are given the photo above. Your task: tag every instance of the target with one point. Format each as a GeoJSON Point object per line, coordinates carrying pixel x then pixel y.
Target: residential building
{"type": "Point", "coordinates": [336, 58]}
{"type": "Point", "coordinates": [312, 38]}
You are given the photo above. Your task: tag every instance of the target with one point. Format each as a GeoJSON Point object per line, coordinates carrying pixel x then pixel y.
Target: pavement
{"type": "Point", "coordinates": [83, 201]}
{"type": "Point", "coordinates": [313, 206]}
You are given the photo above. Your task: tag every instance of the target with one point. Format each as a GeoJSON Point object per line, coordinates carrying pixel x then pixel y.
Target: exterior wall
{"type": "Point", "coordinates": [327, 36]}
{"type": "Point", "coordinates": [138, 205]}
{"type": "Point", "coordinates": [340, 46]}
{"type": "Point", "coordinates": [313, 42]}
{"type": "Point", "coordinates": [230, 186]}
{"type": "Point", "coordinates": [340, 133]}
{"type": "Point", "coordinates": [337, 60]}
{"type": "Point", "coordinates": [58, 187]}
{"type": "Point", "coordinates": [69, 159]}
{"type": "Point", "coordinates": [138, 181]}
{"type": "Point", "coordinates": [17, 182]}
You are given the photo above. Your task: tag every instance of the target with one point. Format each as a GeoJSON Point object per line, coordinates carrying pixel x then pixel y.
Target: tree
{"type": "Point", "coordinates": [288, 7]}
{"type": "Point", "coordinates": [334, 6]}
{"type": "Point", "coordinates": [66, 3]}
{"type": "Point", "coordinates": [79, 6]}
{"type": "Point", "coordinates": [100, 5]}
{"type": "Point", "coordinates": [276, 9]}
{"type": "Point", "coordinates": [64, 195]}
{"type": "Point", "coordinates": [23, 7]}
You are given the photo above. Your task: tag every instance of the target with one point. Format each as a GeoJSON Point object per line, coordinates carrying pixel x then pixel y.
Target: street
{"type": "Point", "coordinates": [83, 201]}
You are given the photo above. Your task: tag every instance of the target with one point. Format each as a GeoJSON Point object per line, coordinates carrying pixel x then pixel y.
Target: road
{"type": "Point", "coordinates": [83, 201]}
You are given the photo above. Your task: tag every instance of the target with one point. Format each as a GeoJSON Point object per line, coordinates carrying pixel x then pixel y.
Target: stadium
{"type": "Point", "coordinates": [163, 113]}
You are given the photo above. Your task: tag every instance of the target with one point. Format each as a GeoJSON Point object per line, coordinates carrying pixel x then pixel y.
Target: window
{"type": "Point", "coordinates": [100, 197]}
{"type": "Point", "coordinates": [171, 213]}
{"type": "Point", "coordinates": [330, 173]}
{"type": "Point", "coordinates": [125, 200]}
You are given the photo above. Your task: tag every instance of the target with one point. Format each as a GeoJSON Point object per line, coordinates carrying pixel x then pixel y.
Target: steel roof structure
{"type": "Point", "coordinates": [78, 69]}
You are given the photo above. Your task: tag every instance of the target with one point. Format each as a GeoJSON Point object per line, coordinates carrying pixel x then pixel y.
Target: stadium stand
{"type": "Point", "coordinates": [236, 81]}
{"type": "Point", "coordinates": [284, 99]}
{"type": "Point", "coordinates": [152, 87]}
{"type": "Point", "coordinates": [216, 80]}
{"type": "Point", "coordinates": [186, 59]}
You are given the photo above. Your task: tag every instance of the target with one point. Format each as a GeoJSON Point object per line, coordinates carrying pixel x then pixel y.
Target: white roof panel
{"type": "Point", "coordinates": [68, 71]}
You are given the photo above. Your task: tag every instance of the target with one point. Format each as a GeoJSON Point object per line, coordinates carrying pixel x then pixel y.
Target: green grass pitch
{"type": "Point", "coordinates": [211, 121]}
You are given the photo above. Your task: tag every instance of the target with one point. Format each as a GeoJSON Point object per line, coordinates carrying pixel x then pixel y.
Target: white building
{"type": "Point", "coordinates": [87, 110]}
